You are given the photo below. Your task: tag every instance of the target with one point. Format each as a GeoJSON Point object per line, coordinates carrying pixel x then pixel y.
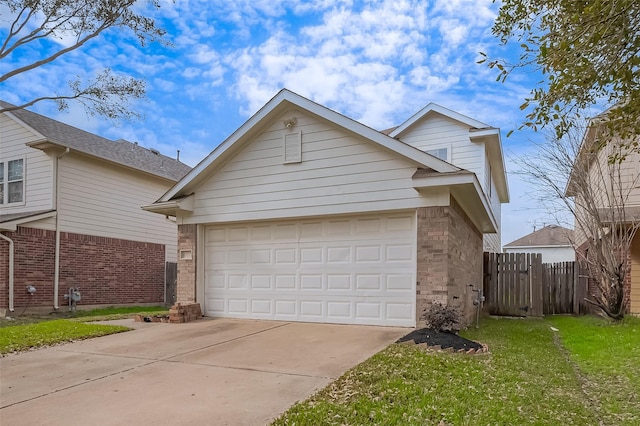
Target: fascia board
{"type": "Point", "coordinates": [458, 179]}
{"type": "Point", "coordinates": [12, 225]}
{"type": "Point", "coordinates": [432, 107]}
{"type": "Point", "coordinates": [37, 134]}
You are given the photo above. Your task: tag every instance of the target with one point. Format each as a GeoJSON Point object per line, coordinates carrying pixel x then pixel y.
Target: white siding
{"type": "Point", "coordinates": [492, 242]}
{"type": "Point", "coordinates": [436, 131]}
{"type": "Point", "coordinates": [339, 173]}
{"type": "Point", "coordinates": [38, 167]}
{"type": "Point", "coordinates": [104, 200]}
{"type": "Point", "coordinates": [549, 254]}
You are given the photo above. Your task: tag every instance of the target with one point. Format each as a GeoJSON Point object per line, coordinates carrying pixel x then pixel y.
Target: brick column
{"type": "Point", "coordinates": [187, 261]}
{"type": "Point", "coordinates": [432, 268]}
{"type": "Point", "coordinates": [449, 258]}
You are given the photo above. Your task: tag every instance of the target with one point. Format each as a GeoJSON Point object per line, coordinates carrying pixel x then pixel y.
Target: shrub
{"type": "Point", "coordinates": [443, 318]}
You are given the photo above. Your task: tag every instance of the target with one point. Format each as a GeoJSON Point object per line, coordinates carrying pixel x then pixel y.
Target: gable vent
{"type": "Point", "coordinates": [293, 148]}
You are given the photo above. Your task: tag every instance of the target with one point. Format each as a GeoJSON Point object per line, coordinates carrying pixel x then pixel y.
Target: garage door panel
{"type": "Point", "coordinates": [357, 270]}
{"type": "Point", "coordinates": [262, 306]}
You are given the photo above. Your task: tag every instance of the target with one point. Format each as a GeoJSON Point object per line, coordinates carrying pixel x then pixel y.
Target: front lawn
{"type": "Point", "coordinates": [32, 331]}
{"type": "Point", "coordinates": [607, 359]}
{"type": "Point", "coordinates": [23, 337]}
{"type": "Point", "coordinates": [529, 378]}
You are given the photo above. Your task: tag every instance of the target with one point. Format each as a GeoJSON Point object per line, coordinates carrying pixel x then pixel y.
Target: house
{"type": "Point", "coordinates": [607, 199]}
{"type": "Point", "coordinates": [70, 216]}
{"type": "Point", "coordinates": [303, 214]}
{"type": "Point", "coordinates": [552, 241]}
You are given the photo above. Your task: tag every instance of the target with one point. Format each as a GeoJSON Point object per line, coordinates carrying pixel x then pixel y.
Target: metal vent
{"type": "Point", "coordinates": [293, 148]}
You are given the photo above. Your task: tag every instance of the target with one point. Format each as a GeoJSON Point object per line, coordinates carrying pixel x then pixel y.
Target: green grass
{"type": "Point", "coordinates": [111, 313]}
{"type": "Point", "coordinates": [23, 337]}
{"type": "Point", "coordinates": [528, 379]}
{"type": "Point", "coordinates": [32, 331]}
{"type": "Point", "coordinates": [101, 314]}
{"type": "Point", "coordinates": [607, 357]}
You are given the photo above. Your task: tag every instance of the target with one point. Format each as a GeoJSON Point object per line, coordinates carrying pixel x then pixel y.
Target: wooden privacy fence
{"type": "Point", "coordinates": [512, 284]}
{"type": "Point", "coordinates": [565, 287]}
{"type": "Point", "coordinates": [519, 284]}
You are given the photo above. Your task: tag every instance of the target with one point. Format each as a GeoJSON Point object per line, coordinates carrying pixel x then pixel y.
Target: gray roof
{"type": "Point", "coordinates": [551, 235]}
{"type": "Point", "coordinates": [121, 151]}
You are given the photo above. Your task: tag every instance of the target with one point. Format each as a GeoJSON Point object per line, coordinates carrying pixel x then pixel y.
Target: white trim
{"type": "Point", "coordinates": [5, 182]}
{"type": "Point", "coordinates": [37, 134]}
{"type": "Point", "coordinates": [292, 140]}
{"type": "Point", "coordinates": [481, 133]}
{"type": "Point", "coordinates": [493, 147]}
{"type": "Point", "coordinates": [448, 147]}
{"type": "Point", "coordinates": [431, 107]}
{"type": "Point", "coordinates": [286, 98]}
{"type": "Point", "coordinates": [458, 180]}
{"type": "Point", "coordinates": [170, 207]}
{"type": "Point", "coordinates": [13, 224]}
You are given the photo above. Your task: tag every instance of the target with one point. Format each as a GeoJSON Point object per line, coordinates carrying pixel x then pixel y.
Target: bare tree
{"type": "Point", "coordinates": [592, 176]}
{"type": "Point", "coordinates": [33, 22]}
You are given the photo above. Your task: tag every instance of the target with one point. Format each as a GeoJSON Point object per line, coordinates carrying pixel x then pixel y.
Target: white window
{"type": "Point", "coordinates": [443, 153]}
{"type": "Point", "coordinates": [12, 181]}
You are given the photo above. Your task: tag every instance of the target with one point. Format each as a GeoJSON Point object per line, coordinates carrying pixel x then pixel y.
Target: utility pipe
{"type": "Point", "coordinates": [10, 241]}
{"type": "Point", "coordinates": [56, 270]}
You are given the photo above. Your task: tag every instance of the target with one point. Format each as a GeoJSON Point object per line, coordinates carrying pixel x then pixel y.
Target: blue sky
{"type": "Point", "coordinates": [375, 61]}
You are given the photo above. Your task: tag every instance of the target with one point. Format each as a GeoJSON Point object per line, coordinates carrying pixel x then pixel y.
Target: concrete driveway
{"type": "Point", "coordinates": [211, 371]}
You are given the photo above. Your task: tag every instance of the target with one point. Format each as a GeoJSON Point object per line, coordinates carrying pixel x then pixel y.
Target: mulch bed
{"type": "Point", "coordinates": [442, 341]}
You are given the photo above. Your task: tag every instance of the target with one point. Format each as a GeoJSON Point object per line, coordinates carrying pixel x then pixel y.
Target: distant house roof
{"type": "Point", "coordinates": [121, 151]}
{"type": "Point", "coordinates": [551, 235]}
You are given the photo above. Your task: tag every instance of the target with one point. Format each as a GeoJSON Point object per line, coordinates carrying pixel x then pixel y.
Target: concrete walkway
{"type": "Point", "coordinates": [213, 372]}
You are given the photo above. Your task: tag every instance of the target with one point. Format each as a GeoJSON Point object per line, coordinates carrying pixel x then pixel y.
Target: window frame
{"type": "Point", "coordinates": [438, 147]}
{"type": "Point", "coordinates": [6, 181]}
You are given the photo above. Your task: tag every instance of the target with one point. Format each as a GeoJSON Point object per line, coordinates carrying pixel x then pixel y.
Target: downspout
{"type": "Point", "coordinates": [56, 271]}
{"type": "Point", "coordinates": [10, 241]}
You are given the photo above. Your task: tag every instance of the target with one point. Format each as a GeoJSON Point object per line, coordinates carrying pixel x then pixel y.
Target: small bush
{"type": "Point", "coordinates": [443, 318]}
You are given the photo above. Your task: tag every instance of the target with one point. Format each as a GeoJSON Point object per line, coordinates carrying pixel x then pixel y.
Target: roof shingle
{"type": "Point", "coordinates": [551, 235]}
{"type": "Point", "coordinates": [121, 151]}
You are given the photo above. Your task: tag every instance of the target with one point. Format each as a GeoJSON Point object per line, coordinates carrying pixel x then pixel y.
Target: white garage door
{"type": "Point", "coordinates": [356, 270]}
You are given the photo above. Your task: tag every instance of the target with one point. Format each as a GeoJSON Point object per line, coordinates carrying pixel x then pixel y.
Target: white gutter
{"type": "Point", "coordinates": [56, 270]}
{"type": "Point", "coordinates": [10, 241]}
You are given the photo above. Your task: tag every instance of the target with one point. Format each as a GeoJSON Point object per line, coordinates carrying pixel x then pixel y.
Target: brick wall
{"type": "Point", "coordinates": [187, 241]}
{"type": "Point", "coordinates": [449, 259]}
{"type": "Point", "coordinates": [465, 259]}
{"type": "Point", "coordinates": [106, 270]}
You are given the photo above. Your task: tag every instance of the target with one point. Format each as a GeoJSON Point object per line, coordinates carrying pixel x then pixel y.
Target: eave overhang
{"type": "Point", "coordinates": [172, 207]}
{"type": "Point", "coordinates": [491, 137]}
{"type": "Point", "coordinates": [466, 189]}
{"type": "Point", "coordinates": [11, 222]}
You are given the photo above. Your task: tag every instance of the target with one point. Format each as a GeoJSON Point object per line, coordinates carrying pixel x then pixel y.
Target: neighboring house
{"type": "Point", "coordinates": [70, 215]}
{"type": "Point", "coordinates": [616, 188]}
{"type": "Point", "coordinates": [553, 242]}
{"type": "Point", "coordinates": [303, 214]}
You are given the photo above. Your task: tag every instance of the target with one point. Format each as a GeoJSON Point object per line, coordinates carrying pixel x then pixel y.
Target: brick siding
{"type": "Point", "coordinates": [449, 259]}
{"type": "Point", "coordinates": [106, 270]}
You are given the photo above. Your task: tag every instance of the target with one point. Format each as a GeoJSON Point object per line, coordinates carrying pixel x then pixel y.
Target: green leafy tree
{"type": "Point", "coordinates": [30, 23]}
{"type": "Point", "coordinates": [588, 52]}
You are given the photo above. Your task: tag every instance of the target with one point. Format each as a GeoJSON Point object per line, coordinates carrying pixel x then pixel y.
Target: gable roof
{"type": "Point", "coordinates": [478, 131]}
{"type": "Point", "coordinates": [278, 104]}
{"type": "Point", "coordinates": [432, 107]}
{"type": "Point", "coordinates": [550, 235]}
{"type": "Point", "coordinates": [125, 153]}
